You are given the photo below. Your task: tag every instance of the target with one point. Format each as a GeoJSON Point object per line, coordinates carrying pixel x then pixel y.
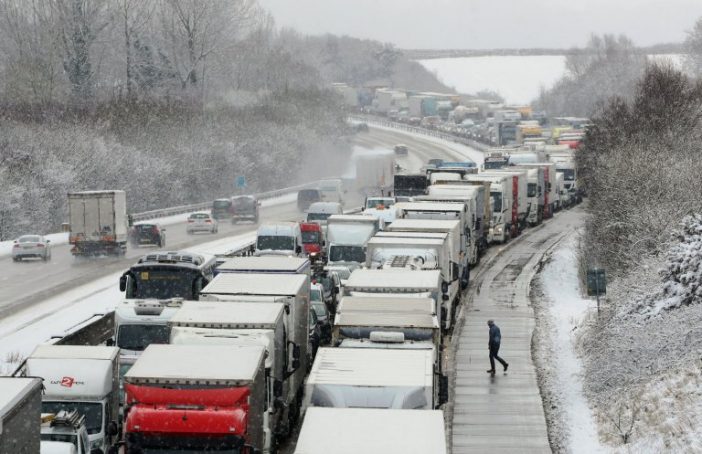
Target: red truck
{"type": "Point", "coordinates": [313, 240]}
{"type": "Point", "coordinates": [197, 398]}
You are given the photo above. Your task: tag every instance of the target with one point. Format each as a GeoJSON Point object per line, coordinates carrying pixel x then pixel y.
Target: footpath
{"type": "Point", "coordinates": [503, 413]}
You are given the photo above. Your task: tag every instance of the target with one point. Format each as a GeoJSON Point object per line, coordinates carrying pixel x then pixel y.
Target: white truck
{"type": "Point", "coordinates": [347, 236]}
{"type": "Point", "coordinates": [82, 378]}
{"type": "Point", "coordinates": [20, 409]}
{"type": "Point", "coordinates": [520, 190]}
{"type": "Point", "coordinates": [536, 192]}
{"type": "Point", "coordinates": [266, 264]}
{"type": "Point", "coordinates": [140, 323]}
{"type": "Point", "coordinates": [98, 222]}
{"type": "Point", "coordinates": [293, 290]}
{"type": "Point", "coordinates": [391, 323]}
{"type": "Point", "coordinates": [197, 398]}
{"type": "Point", "coordinates": [375, 173]}
{"type": "Point", "coordinates": [505, 217]}
{"type": "Point", "coordinates": [229, 323]}
{"type": "Point", "coordinates": [281, 238]}
{"type": "Point", "coordinates": [373, 378]}
{"type": "Point", "coordinates": [380, 207]}
{"type": "Point", "coordinates": [371, 431]}
{"type": "Point", "coordinates": [392, 283]}
{"type": "Point", "coordinates": [431, 251]}
{"type": "Point", "coordinates": [565, 163]}
{"type": "Point", "coordinates": [550, 192]}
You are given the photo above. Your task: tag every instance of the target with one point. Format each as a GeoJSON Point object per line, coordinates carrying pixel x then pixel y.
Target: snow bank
{"type": "Point", "coordinates": [560, 313]}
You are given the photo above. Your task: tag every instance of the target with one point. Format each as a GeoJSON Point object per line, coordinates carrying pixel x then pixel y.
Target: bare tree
{"type": "Point", "coordinates": [134, 15]}
{"type": "Point", "coordinates": [693, 49]}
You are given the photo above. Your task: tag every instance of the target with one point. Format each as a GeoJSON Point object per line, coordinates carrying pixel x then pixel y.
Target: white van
{"type": "Point", "coordinates": [332, 190]}
{"type": "Point", "coordinates": [282, 238]}
{"type": "Point", "coordinates": [319, 211]}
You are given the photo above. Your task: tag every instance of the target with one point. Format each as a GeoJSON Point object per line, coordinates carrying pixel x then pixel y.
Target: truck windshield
{"type": "Point", "coordinates": [347, 254]}
{"type": "Point", "coordinates": [276, 243]}
{"type": "Point", "coordinates": [91, 410]}
{"type": "Point", "coordinates": [138, 337]}
{"type": "Point", "coordinates": [568, 174]}
{"type": "Point", "coordinates": [221, 204]}
{"type": "Point", "coordinates": [497, 200]}
{"type": "Point", "coordinates": [164, 283]}
{"type": "Point", "coordinates": [63, 438]}
{"type": "Point", "coordinates": [318, 216]}
{"type": "Point", "coordinates": [310, 237]}
{"type": "Point", "coordinates": [531, 190]}
{"type": "Point", "coordinates": [184, 444]}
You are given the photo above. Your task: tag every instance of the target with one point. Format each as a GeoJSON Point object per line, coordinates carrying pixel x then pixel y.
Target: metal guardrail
{"type": "Point", "coordinates": [422, 131]}
{"type": "Point", "coordinates": [153, 214]}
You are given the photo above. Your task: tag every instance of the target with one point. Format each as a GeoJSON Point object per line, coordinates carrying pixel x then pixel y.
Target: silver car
{"type": "Point", "coordinates": [201, 222]}
{"type": "Point", "coordinates": [31, 246]}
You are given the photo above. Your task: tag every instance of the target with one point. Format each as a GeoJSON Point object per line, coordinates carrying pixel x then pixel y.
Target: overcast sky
{"type": "Point", "coordinates": [484, 24]}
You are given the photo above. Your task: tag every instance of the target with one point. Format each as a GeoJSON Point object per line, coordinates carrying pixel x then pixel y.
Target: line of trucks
{"type": "Point", "coordinates": [227, 364]}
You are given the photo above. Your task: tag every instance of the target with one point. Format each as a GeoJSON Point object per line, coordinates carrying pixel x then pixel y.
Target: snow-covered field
{"type": "Point", "coordinates": [518, 79]}
{"type": "Point", "coordinates": [21, 332]}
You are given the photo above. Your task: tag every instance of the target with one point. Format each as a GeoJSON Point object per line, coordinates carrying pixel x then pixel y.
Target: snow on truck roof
{"type": "Point", "coordinates": [412, 235]}
{"type": "Point", "coordinates": [386, 320]}
{"type": "Point", "coordinates": [226, 315]}
{"type": "Point", "coordinates": [423, 225]}
{"type": "Point", "coordinates": [372, 367]}
{"type": "Point", "coordinates": [352, 218]}
{"type": "Point", "coordinates": [13, 390]}
{"type": "Point", "coordinates": [265, 264]}
{"type": "Point", "coordinates": [196, 364]}
{"type": "Point", "coordinates": [383, 431]}
{"type": "Point", "coordinates": [256, 284]}
{"type": "Point", "coordinates": [406, 305]}
{"type": "Point", "coordinates": [392, 279]}
{"type": "Point", "coordinates": [96, 352]}
{"type": "Point", "coordinates": [406, 241]}
{"type": "Point", "coordinates": [430, 206]}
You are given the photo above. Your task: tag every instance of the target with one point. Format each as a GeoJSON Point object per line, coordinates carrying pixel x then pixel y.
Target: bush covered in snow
{"type": "Point", "coordinates": [682, 277]}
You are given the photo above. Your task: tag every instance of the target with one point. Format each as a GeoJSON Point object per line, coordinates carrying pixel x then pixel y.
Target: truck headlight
{"type": "Point", "coordinates": [498, 230]}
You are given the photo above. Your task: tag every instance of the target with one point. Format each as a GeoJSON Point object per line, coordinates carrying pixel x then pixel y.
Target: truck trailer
{"type": "Point", "coordinates": [20, 411]}
{"type": "Point", "coordinates": [98, 222]}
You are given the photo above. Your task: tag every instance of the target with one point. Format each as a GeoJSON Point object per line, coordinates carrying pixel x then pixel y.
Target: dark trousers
{"type": "Point", "coordinates": [493, 356]}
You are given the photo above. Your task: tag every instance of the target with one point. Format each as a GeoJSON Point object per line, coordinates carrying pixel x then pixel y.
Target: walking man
{"type": "Point", "coordinates": [494, 345]}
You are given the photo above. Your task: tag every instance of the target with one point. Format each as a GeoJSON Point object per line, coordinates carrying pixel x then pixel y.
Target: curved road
{"type": "Point", "coordinates": [26, 283]}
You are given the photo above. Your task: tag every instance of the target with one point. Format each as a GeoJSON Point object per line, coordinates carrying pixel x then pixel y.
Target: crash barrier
{"type": "Point", "coordinates": [419, 130]}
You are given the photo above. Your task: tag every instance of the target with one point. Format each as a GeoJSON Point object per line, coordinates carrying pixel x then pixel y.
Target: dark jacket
{"type": "Point", "coordinates": [495, 336]}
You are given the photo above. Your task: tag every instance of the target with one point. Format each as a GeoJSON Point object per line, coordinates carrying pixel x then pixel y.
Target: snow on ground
{"type": "Point", "coordinates": [560, 311]}
{"type": "Point", "coordinates": [518, 79]}
{"type": "Point", "coordinates": [21, 332]}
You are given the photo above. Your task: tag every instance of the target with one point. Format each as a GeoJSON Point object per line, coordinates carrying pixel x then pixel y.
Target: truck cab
{"type": "Point", "coordinates": [347, 236]}
{"type": "Point", "coordinates": [283, 238]}
{"type": "Point", "coordinates": [313, 240]}
{"type": "Point", "coordinates": [140, 323]}
{"type": "Point", "coordinates": [380, 207]}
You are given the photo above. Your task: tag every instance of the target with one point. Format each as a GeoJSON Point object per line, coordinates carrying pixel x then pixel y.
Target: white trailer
{"type": "Point", "coordinates": [20, 411]}
{"type": "Point", "coordinates": [293, 290]}
{"type": "Point", "coordinates": [241, 323]}
{"type": "Point", "coordinates": [393, 283]}
{"type": "Point", "coordinates": [373, 378]}
{"type": "Point", "coordinates": [80, 377]}
{"type": "Point", "coordinates": [266, 264]}
{"type": "Point", "coordinates": [505, 217]}
{"type": "Point", "coordinates": [551, 195]}
{"type": "Point", "coordinates": [371, 431]}
{"type": "Point", "coordinates": [98, 222]}
{"type": "Point", "coordinates": [520, 191]}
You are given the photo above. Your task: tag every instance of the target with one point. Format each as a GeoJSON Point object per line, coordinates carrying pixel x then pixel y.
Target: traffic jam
{"type": "Point", "coordinates": [326, 331]}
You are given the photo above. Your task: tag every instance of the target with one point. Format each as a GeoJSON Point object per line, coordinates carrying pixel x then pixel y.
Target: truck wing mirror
{"type": "Point", "coordinates": [298, 249]}
{"type": "Point", "coordinates": [454, 270]}
{"type": "Point", "coordinates": [443, 389]}
{"type": "Point", "coordinates": [123, 282]}
{"type": "Point", "coordinates": [444, 287]}
{"type": "Point", "coordinates": [296, 351]}
{"type": "Point", "coordinates": [110, 342]}
{"type": "Point", "coordinates": [112, 429]}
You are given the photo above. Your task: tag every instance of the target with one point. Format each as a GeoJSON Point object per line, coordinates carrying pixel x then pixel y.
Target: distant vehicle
{"type": "Point", "coordinates": [320, 211]}
{"type": "Point", "coordinates": [245, 207]}
{"type": "Point", "coordinates": [307, 197]}
{"type": "Point", "coordinates": [222, 209]}
{"type": "Point", "coordinates": [147, 233]}
{"type": "Point", "coordinates": [31, 246]}
{"type": "Point", "coordinates": [360, 127]}
{"type": "Point", "coordinates": [98, 222]}
{"type": "Point", "coordinates": [312, 240]}
{"type": "Point", "coordinates": [435, 162]}
{"type": "Point", "coordinates": [282, 238]}
{"type": "Point", "coordinates": [201, 222]}
{"type": "Point", "coordinates": [401, 149]}
{"type": "Point", "coordinates": [415, 121]}
{"type": "Point", "coordinates": [167, 275]}
{"type": "Point", "coordinates": [332, 190]}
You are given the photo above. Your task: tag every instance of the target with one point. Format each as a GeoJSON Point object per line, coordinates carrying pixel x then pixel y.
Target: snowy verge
{"type": "Point", "coordinates": [21, 332]}
{"type": "Point", "coordinates": [560, 311]}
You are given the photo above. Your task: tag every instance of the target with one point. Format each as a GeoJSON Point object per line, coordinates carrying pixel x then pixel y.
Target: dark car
{"type": "Point", "coordinates": [307, 197]}
{"type": "Point", "coordinates": [323, 320]}
{"type": "Point", "coordinates": [315, 337]}
{"type": "Point", "coordinates": [360, 127]}
{"type": "Point", "coordinates": [222, 209]}
{"type": "Point", "coordinates": [146, 233]}
{"type": "Point", "coordinates": [245, 208]}
{"type": "Point", "coordinates": [401, 149]}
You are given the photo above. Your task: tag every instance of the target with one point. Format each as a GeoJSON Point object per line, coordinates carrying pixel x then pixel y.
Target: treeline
{"type": "Point", "coordinates": [169, 100]}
